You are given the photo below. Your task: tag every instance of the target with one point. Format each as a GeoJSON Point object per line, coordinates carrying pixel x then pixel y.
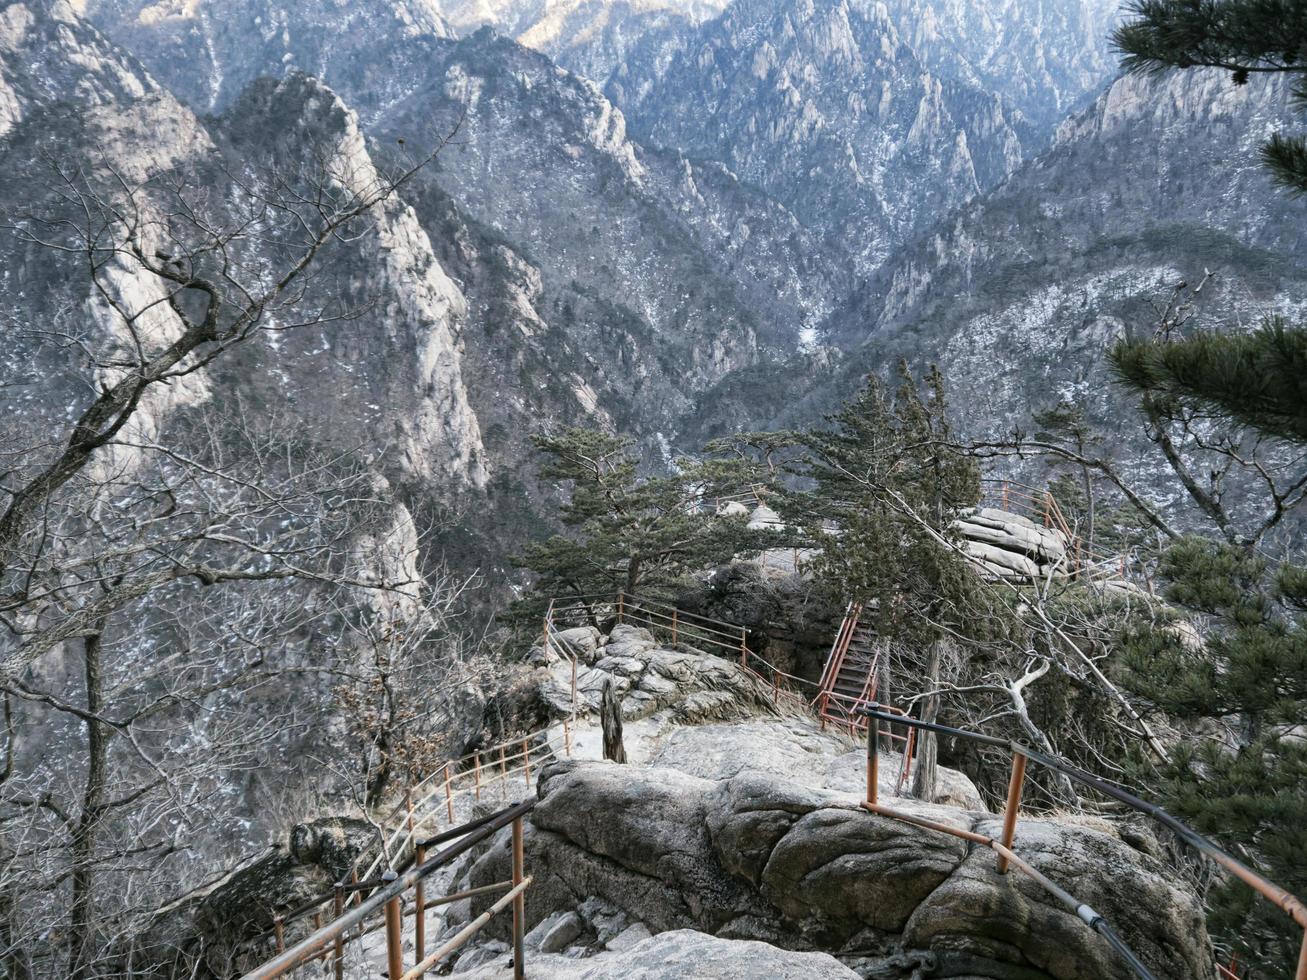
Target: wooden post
{"type": "Point", "coordinates": [873, 758]}
{"type": "Point", "coordinates": [621, 601]}
{"type": "Point", "coordinates": [340, 936]}
{"type": "Point", "coordinates": [526, 761]}
{"type": "Point", "coordinates": [449, 797]}
{"type": "Point", "coordinates": [776, 687]}
{"type": "Point", "coordinates": [408, 803]}
{"type": "Point", "coordinates": [744, 647]}
{"type": "Point", "coordinates": [1014, 787]}
{"type": "Point", "coordinates": [354, 880]}
{"type": "Point", "coordinates": [519, 904]}
{"type": "Point", "coordinates": [567, 739]}
{"type": "Point", "coordinates": [923, 782]}
{"type": "Point", "coordinates": [394, 940]}
{"type": "Point", "coordinates": [476, 771]}
{"type": "Point", "coordinates": [908, 748]}
{"type": "Point", "coordinates": [503, 773]}
{"type": "Point", "coordinates": [574, 686]}
{"type": "Point", "coordinates": [675, 613]}
{"type": "Point", "coordinates": [610, 720]}
{"type": "Point", "coordinates": [420, 906]}
{"type": "Point", "coordinates": [1005, 503]}
{"type": "Point", "coordinates": [279, 929]}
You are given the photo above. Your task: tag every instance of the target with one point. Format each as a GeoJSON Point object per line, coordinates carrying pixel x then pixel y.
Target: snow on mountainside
{"type": "Point", "coordinates": [590, 37]}
{"type": "Point", "coordinates": [824, 105]}
{"type": "Point", "coordinates": [208, 52]}
{"type": "Point", "coordinates": [1018, 295]}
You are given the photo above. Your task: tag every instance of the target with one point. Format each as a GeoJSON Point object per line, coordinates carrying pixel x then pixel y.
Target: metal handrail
{"type": "Point", "coordinates": [387, 899]}
{"type": "Point", "coordinates": [1285, 900]}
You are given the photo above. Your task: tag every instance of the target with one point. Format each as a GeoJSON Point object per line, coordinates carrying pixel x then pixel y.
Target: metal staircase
{"type": "Point", "coordinates": [852, 678]}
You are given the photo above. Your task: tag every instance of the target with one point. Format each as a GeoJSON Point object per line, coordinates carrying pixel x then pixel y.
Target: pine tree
{"type": "Point", "coordinates": [1257, 379]}
{"type": "Point", "coordinates": [884, 458]}
{"type": "Point", "coordinates": [1244, 37]}
{"type": "Point", "coordinates": [631, 531]}
{"type": "Point", "coordinates": [1246, 676]}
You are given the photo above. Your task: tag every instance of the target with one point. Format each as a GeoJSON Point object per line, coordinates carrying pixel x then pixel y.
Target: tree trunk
{"type": "Point", "coordinates": [923, 781]}
{"type": "Point", "coordinates": [81, 924]}
{"type": "Point", "coordinates": [610, 717]}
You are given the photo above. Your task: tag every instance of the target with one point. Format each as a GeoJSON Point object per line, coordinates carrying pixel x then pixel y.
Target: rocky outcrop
{"type": "Point", "coordinates": [316, 856]}
{"type": "Point", "coordinates": [684, 953]}
{"type": "Point", "coordinates": [646, 676]}
{"type": "Point", "coordinates": [756, 857]}
{"type": "Point", "coordinates": [1007, 545]}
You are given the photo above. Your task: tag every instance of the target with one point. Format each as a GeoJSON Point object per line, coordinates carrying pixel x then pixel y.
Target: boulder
{"type": "Point", "coordinates": [1012, 919]}
{"type": "Point", "coordinates": [579, 641]}
{"type": "Point", "coordinates": [759, 857]}
{"type": "Point", "coordinates": [565, 932]}
{"type": "Point", "coordinates": [318, 854]}
{"type": "Point", "coordinates": [683, 953]}
{"type": "Point", "coordinates": [1013, 561]}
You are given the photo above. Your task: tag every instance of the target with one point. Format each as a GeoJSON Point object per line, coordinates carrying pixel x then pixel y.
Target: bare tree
{"type": "Point", "coordinates": [165, 567]}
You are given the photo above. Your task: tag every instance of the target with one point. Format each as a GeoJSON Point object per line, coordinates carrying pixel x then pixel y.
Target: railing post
{"type": "Point", "coordinates": [621, 602]}
{"type": "Point", "coordinates": [873, 758]}
{"type": "Point", "coordinates": [279, 930]}
{"type": "Point", "coordinates": [519, 904]}
{"type": "Point", "coordinates": [567, 739]}
{"type": "Point", "coordinates": [354, 880]}
{"type": "Point", "coordinates": [675, 614]}
{"type": "Point", "coordinates": [526, 761]}
{"type": "Point", "coordinates": [744, 647]}
{"type": "Point", "coordinates": [340, 936]}
{"type": "Point", "coordinates": [503, 772]}
{"type": "Point", "coordinates": [419, 907]}
{"type": "Point", "coordinates": [1005, 501]}
{"type": "Point", "coordinates": [1014, 788]}
{"type": "Point", "coordinates": [574, 686]}
{"type": "Point", "coordinates": [476, 775]}
{"type": "Point", "coordinates": [776, 687]}
{"type": "Point", "coordinates": [449, 796]}
{"type": "Point", "coordinates": [394, 934]}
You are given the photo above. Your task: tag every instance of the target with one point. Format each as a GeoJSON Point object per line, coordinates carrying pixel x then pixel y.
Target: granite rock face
{"type": "Point", "coordinates": [756, 857]}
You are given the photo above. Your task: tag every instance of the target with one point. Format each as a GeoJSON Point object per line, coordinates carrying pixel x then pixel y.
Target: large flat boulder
{"type": "Point", "coordinates": [761, 857]}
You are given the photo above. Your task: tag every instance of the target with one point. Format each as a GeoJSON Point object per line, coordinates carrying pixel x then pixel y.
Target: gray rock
{"type": "Point", "coordinates": [683, 953]}
{"type": "Point", "coordinates": [629, 937]}
{"type": "Point", "coordinates": [565, 932]}
{"type": "Point", "coordinates": [760, 857]}
{"type": "Point", "coordinates": [536, 936]}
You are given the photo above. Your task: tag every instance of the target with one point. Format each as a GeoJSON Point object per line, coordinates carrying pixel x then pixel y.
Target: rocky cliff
{"type": "Point", "coordinates": [1018, 294]}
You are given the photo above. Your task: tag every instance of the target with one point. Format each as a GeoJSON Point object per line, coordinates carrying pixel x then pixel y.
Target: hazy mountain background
{"type": "Point", "coordinates": [669, 219]}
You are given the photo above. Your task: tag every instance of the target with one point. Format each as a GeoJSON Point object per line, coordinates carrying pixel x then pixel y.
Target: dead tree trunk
{"type": "Point", "coordinates": [923, 782]}
{"type": "Point", "coordinates": [610, 717]}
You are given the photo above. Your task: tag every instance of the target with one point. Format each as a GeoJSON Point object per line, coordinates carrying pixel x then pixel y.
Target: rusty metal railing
{"type": "Point", "coordinates": [1021, 754]}
{"type": "Point", "coordinates": [327, 942]}
{"type": "Point", "coordinates": [1083, 561]}
{"type": "Point", "coordinates": [668, 622]}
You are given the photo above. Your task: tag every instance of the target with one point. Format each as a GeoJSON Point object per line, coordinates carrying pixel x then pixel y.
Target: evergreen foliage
{"type": "Point", "coordinates": [1248, 788]}
{"type": "Point", "coordinates": [641, 533]}
{"type": "Point", "coordinates": [885, 460]}
{"type": "Point", "coordinates": [1257, 379]}
{"type": "Point", "coordinates": [1242, 36]}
